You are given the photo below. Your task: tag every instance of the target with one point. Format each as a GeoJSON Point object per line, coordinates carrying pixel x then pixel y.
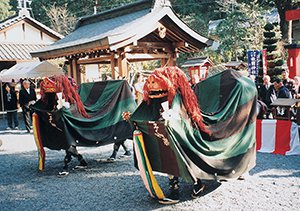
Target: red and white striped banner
{"type": "Point", "coordinates": [277, 137]}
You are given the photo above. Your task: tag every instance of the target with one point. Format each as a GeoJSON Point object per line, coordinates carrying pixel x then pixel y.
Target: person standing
{"type": "Point", "coordinates": [281, 90]}
{"type": "Point", "coordinates": [267, 94]}
{"type": "Point", "coordinates": [27, 97]}
{"type": "Point", "coordinates": [11, 107]}
{"type": "Point", "coordinates": [286, 80]}
{"type": "Point", "coordinates": [139, 89]}
{"type": "Point", "coordinates": [296, 87]}
{"type": "Point", "coordinates": [264, 88]}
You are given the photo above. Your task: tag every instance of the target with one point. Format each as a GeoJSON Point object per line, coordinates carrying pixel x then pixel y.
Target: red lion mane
{"type": "Point", "coordinates": [174, 80]}
{"type": "Point", "coordinates": [63, 84]}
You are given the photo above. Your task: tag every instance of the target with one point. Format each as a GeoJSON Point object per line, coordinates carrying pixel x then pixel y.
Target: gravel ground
{"type": "Point", "coordinates": [274, 184]}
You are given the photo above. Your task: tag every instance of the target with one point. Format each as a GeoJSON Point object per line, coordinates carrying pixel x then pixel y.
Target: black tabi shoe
{"type": "Point", "coordinates": [127, 154]}
{"type": "Point", "coordinates": [172, 198]}
{"type": "Point", "coordinates": [112, 157]}
{"type": "Point", "coordinates": [198, 189]}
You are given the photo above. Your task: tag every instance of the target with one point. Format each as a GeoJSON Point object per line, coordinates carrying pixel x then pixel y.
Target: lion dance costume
{"type": "Point", "coordinates": [90, 117]}
{"type": "Point", "coordinates": [208, 133]}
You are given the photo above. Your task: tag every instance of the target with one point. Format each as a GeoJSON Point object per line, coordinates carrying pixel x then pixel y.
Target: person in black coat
{"type": "Point", "coordinates": [281, 90]}
{"type": "Point", "coordinates": [267, 94]}
{"type": "Point", "coordinates": [27, 97]}
{"type": "Point", "coordinates": [11, 107]}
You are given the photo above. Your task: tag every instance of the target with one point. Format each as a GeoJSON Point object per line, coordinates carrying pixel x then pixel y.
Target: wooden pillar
{"type": "Point", "coordinates": [112, 66]}
{"type": "Point", "coordinates": [163, 62]}
{"type": "Point", "coordinates": [75, 73]}
{"type": "Point", "coordinates": [122, 65]}
{"type": "Point", "coordinates": [171, 61]}
{"type": "Point", "coordinates": [69, 67]}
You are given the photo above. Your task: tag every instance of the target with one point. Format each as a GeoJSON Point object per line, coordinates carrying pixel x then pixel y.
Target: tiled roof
{"type": "Point", "coordinates": [117, 28]}
{"type": "Point", "coordinates": [235, 64]}
{"type": "Point", "coordinates": [194, 62]}
{"type": "Point", "coordinates": [15, 19]}
{"type": "Point", "coordinates": [13, 51]}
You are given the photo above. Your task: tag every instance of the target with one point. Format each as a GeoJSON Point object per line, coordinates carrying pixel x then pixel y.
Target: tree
{"type": "Point", "coordinates": [61, 19]}
{"type": "Point", "coordinates": [272, 45]}
{"type": "Point", "coordinates": [241, 30]}
{"type": "Point", "coordinates": [76, 8]}
{"type": "Point", "coordinates": [5, 9]}
{"type": "Point", "coordinates": [282, 7]}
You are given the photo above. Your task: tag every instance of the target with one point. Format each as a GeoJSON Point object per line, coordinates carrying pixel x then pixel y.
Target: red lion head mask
{"type": "Point", "coordinates": [62, 84]}
{"type": "Point", "coordinates": [166, 82]}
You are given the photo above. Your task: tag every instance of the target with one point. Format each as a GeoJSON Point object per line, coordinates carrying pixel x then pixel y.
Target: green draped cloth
{"type": "Point", "coordinates": [175, 146]}
{"type": "Point", "coordinates": [104, 102]}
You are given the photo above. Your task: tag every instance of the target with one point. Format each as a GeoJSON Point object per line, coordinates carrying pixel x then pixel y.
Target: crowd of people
{"type": "Point", "coordinates": [283, 87]}
{"type": "Point", "coordinates": [14, 98]}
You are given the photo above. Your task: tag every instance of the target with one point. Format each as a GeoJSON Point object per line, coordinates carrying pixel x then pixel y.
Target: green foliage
{"type": "Point", "coordinates": [241, 30]}
{"type": "Point", "coordinates": [270, 41]}
{"type": "Point", "coordinates": [269, 27]}
{"type": "Point", "coordinates": [60, 18]}
{"type": "Point", "coordinates": [270, 48]}
{"type": "Point", "coordinates": [279, 62]}
{"type": "Point", "coordinates": [76, 9]}
{"type": "Point", "coordinates": [269, 34]}
{"type": "Point", "coordinates": [5, 9]}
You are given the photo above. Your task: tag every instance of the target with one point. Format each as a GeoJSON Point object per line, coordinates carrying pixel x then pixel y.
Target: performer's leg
{"type": "Point", "coordinates": [67, 160]}
{"type": "Point", "coordinates": [198, 189]}
{"type": "Point", "coordinates": [173, 196]}
{"type": "Point", "coordinates": [115, 151]}
{"type": "Point", "coordinates": [126, 149]}
{"type": "Point", "coordinates": [73, 151]}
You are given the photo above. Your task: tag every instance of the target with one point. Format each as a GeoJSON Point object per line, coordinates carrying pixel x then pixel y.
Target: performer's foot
{"type": "Point", "coordinates": [242, 177]}
{"type": "Point", "coordinates": [172, 198]}
{"type": "Point", "coordinates": [82, 165]}
{"type": "Point", "coordinates": [63, 173]}
{"type": "Point", "coordinates": [112, 157]}
{"type": "Point", "coordinates": [198, 189]}
{"type": "Point", "coordinates": [127, 154]}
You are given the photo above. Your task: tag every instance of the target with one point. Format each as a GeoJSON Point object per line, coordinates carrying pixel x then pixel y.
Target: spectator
{"type": "Point", "coordinates": [27, 97]}
{"type": "Point", "coordinates": [264, 89]}
{"type": "Point", "coordinates": [139, 85]}
{"type": "Point", "coordinates": [296, 87]}
{"type": "Point", "coordinates": [13, 85]}
{"type": "Point", "coordinates": [267, 94]}
{"type": "Point", "coordinates": [287, 82]}
{"type": "Point", "coordinates": [281, 90]}
{"type": "Point", "coordinates": [11, 107]}
{"type": "Point", "coordinates": [195, 79]}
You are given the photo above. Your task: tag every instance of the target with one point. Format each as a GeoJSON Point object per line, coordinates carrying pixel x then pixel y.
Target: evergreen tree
{"type": "Point", "coordinates": [271, 44]}
{"type": "Point", "coordinates": [241, 30]}
{"type": "Point", "coordinates": [6, 9]}
{"type": "Point", "coordinates": [75, 8]}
